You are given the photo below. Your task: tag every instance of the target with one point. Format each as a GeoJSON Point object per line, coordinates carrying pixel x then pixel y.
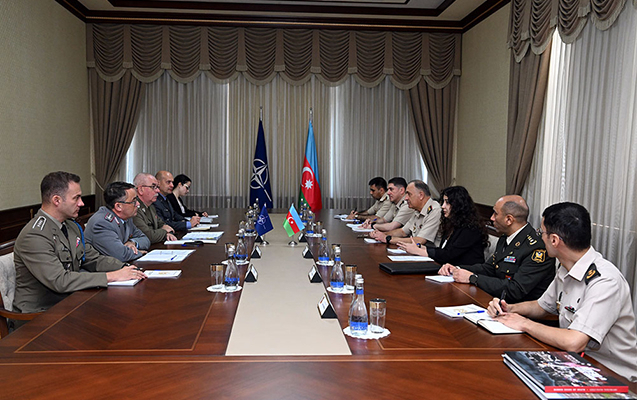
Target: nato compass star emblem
{"type": "Point", "coordinates": [260, 176]}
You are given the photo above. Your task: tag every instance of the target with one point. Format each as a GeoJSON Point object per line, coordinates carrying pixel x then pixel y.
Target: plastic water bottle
{"type": "Point", "coordinates": [324, 251]}
{"type": "Point", "coordinates": [241, 253]}
{"type": "Point", "coordinates": [356, 277]}
{"type": "Point", "coordinates": [337, 277]}
{"type": "Point", "coordinates": [231, 277]}
{"type": "Point", "coordinates": [358, 311]}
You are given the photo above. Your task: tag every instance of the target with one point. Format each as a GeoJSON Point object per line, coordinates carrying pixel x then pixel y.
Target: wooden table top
{"type": "Point", "coordinates": [167, 338]}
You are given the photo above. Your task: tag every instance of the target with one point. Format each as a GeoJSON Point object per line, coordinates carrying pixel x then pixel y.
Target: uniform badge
{"type": "Point", "coordinates": [39, 223]}
{"type": "Point", "coordinates": [591, 273]}
{"type": "Point", "coordinates": [539, 256]}
{"type": "Point", "coordinates": [517, 244]}
{"type": "Point", "coordinates": [531, 240]}
{"type": "Point", "coordinates": [77, 242]}
{"type": "Point", "coordinates": [109, 217]}
{"type": "Point", "coordinates": [510, 259]}
{"type": "Point", "coordinates": [429, 209]}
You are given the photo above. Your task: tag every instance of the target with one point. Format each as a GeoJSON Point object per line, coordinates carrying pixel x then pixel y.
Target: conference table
{"type": "Point", "coordinates": [173, 339]}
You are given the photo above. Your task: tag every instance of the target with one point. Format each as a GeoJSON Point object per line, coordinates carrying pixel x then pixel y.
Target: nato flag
{"type": "Point", "coordinates": [260, 182]}
{"type": "Point", "coordinates": [264, 225]}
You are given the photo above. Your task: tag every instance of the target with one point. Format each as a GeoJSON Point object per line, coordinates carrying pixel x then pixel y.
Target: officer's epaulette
{"type": "Point", "coordinates": [39, 223]}
{"type": "Point", "coordinates": [591, 273]}
{"type": "Point", "coordinates": [429, 209]}
{"type": "Point", "coordinates": [532, 241]}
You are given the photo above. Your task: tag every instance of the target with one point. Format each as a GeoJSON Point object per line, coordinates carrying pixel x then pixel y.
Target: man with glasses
{"type": "Point", "coordinates": [146, 219]}
{"type": "Point", "coordinates": [111, 229]}
{"type": "Point", "coordinates": [519, 266]}
{"type": "Point", "coordinates": [589, 294]}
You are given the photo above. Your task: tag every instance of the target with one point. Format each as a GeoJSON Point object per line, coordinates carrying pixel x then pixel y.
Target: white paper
{"type": "Point", "coordinates": [186, 241]}
{"type": "Point", "coordinates": [130, 282]}
{"type": "Point", "coordinates": [202, 236]}
{"type": "Point", "coordinates": [163, 273]}
{"type": "Point", "coordinates": [204, 227]}
{"type": "Point", "coordinates": [370, 240]}
{"type": "Point", "coordinates": [166, 255]}
{"type": "Point", "coordinates": [208, 219]}
{"type": "Point", "coordinates": [409, 258]}
{"type": "Point", "coordinates": [396, 251]}
{"type": "Point", "coordinates": [460, 311]}
{"type": "Point", "coordinates": [440, 278]}
{"type": "Point", "coordinates": [353, 225]}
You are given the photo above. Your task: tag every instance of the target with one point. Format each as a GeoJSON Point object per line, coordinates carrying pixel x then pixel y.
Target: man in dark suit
{"type": "Point", "coordinates": [164, 210]}
{"type": "Point", "coordinates": [519, 266]}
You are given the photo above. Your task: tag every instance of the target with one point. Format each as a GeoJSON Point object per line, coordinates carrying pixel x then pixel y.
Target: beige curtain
{"type": "Point", "coordinates": [434, 112]}
{"type": "Point", "coordinates": [261, 53]}
{"type": "Point", "coordinates": [115, 110]}
{"type": "Point", "coordinates": [533, 21]}
{"type": "Point", "coordinates": [527, 91]}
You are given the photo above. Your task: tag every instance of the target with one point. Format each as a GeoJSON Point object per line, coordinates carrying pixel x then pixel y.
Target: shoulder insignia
{"type": "Point", "coordinates": [591, 273]}
{"type": "Point", "coordinates": [39, 223]}
{"type": "Point", "coordinates": [531, 240]}
{"type": "Point", "coordinates": [109, 217]}
{"type": "Point", "coordinates": [539, 256]}
{"type": "Point", "coordinates": [517, 244]}
{"type": "Point", "coordinates": [429, 209]}
{"type": "Point", "coordinates": [77, 242]}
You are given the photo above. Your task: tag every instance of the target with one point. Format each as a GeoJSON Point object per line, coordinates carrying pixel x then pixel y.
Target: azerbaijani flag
{"type": "Point", "coordinates": [293, 222]}
{"type": "Point", "coordinates": [310, 192]}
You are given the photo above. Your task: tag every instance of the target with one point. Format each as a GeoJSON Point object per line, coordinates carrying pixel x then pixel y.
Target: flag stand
{"type": "Point", "coordinates": [265, 242]}
{"type": "Point", "coordinates": [292, 243]}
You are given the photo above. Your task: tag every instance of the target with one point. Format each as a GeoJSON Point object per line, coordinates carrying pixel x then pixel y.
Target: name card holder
{"type": "Point", "coordinates": [307, 253]}
{"type": "Point", "coordinates": [251, 274]}
{"type": "Point", "coordinates": [256, 253]}
{"type": "Point", "coordinates": [259, 239]}
{"type": "Point", "coordinates": [302, 237]}
{"type": "Point", "coordinates": [315, 275]}
{"type": "Point", "coordinates": [325, 307]}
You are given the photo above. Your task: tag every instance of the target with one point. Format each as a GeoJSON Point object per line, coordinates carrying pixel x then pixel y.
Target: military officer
{"type": "Point", "coordinates": [590, 295]}
{"type": "Point", "coordinates": [111, 229]}
{"type": "Point", "coordinates": [146, 219]}
{"type": "Point", "coordinates": [51, 250]}
{"type": "Point", "coordinates": [378, 191]}
{"type": "Point", "coordinates": [519, 265]}
{"type": "Point", "coordinates": [399, 213]}
{"type": "Point", "coordinates": [423, 225]}
{"type": "Point", "coordinates": [164, 210]}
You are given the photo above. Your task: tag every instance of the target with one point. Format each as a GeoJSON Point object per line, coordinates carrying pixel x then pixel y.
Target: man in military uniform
{"type": "Point", "coordinates": [50, 251]}
{"type": "Point", "coordinates": [519, 265]}
{"type": "Point", "coordinates": [146, 219]}
{"type": "Point", "coordinates": [111, 229]}
{"type": "Point", "coordinates": [423, 225]}
{"type": "Point", "coordinates": [378, 191]}
{"type": "Point", "coordinates": [399, 213]}
{"type": "Point", "coordinates": [163, 207]}
{"type": "Point", "coordinates": [590, 295]}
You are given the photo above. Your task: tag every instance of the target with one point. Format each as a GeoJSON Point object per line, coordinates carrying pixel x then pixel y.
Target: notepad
{"type": "Point", "coordinates": [490, 324]}
{"type": "Point", "coordinates": [371, 241]}
{"type": "Point", "coordinates": [461, 311]}
{"type": "Point", "coordinates": [202, 236]}
{"type": "Point", "coordinates": [130, 282]}
{"type": "Point", "coordinates": [440, 278]}
{"type": "Point", "coordinates": [204, 227]}
{"type": "Point", "coordinates": [363, 230]}
{"type": "Point", "coordinates": [163, 273]}
{"type": "Point", "coordinates": [410, 258]}
{"type": "Point", "coordinates": [166, 255]}
{"type": "Point", "coordinates": [396, 251]}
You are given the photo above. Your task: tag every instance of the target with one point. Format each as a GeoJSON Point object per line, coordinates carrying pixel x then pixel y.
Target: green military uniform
{"type": "Point", "coordinates": [522, 268]}
{"type": "Point", "coordinates": [425, 224]}
{"type": "Point", "coordinates": [48, 264]}
{"type": "Point", "coordinates": [400, 212]}
{"type": "Point", "coordinates": [149, 223]}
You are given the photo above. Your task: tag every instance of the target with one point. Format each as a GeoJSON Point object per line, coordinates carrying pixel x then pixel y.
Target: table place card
{"type": "Point", "coordinates": [315, 275]}
{"type": "Point", "coordinates": [325, 307]}
{"type": "Point", "coordinates": [307, 253]}
{"type": "Point", "coordinates": [302, 238]}
{"type": "Point", "coordinates": [256, 253]}
{"type": "Point", "coordinates": [251, 274]}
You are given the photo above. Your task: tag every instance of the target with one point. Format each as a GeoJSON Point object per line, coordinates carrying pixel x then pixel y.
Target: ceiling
{"type": "Point", "coordinates": [409, 15]}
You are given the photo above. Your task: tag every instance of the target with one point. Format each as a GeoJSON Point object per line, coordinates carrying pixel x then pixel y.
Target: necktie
{"type": "Point", "coordinates": [65, 231]}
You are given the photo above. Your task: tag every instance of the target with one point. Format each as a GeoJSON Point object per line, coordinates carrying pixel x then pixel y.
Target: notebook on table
{"type": "Point", "coordinates": [407, 268]}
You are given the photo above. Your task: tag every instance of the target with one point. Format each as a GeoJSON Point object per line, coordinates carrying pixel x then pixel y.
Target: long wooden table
{"type": "Point", "coordinates": [167, 339]}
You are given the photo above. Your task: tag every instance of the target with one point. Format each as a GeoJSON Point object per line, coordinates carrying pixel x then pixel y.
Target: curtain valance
{"type": "Point", "coordinates": [533, 21]}
{"type": "Point", "coordinates": [260, 53]}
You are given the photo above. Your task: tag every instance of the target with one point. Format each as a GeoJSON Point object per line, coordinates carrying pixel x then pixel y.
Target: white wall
{"type": "Point", "coordinates": [482, 109]}
{"type": "Point", "coordinates": [44, 104]}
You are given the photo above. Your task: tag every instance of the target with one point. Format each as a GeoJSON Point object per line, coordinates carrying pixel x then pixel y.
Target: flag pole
{"type": "Point", "coordinates": [311, 114]}
{"type": "Point", "coordinates": [261, 113]}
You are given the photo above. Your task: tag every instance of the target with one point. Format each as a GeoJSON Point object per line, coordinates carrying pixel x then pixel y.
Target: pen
{"type": "Point", "coordinates": [471, 312]}
{"type": "Point", "coordinates": [172, 258]}
{"type": "Point", "coordinates": [502, 297]}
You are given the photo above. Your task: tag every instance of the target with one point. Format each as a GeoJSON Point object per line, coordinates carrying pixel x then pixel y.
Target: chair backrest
{"type": "Point", "coordinates": [7, 280]}
{"type": "Point", "coordinates": [488, 251]}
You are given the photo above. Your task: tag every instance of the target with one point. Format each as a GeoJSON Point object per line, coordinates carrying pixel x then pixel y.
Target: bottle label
{"type": "Point", "coordinates": [336, 284]}
{"type": "Point", "coordinates": [337, 259]}
{"type": "Point", "coordinates": [324, 258]}
{"type": "Point", "coordinates": [231, 281]}
{"type": "Point", "coordinates": [359, 291]}
{"type": "Point", "coordinates": [358, 326]}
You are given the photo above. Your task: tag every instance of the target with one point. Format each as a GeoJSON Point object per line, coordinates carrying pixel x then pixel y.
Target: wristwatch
{"type": "Point", "coordinates": [473, 279]}
{"type": "Point", "coordinates": [387, 239]}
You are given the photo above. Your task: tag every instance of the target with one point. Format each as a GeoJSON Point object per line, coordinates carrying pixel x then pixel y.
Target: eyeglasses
{"type": "Point", "coordinates": [135, 201]}
{"type": "Point", "coordinates": [153, 186]}
{"type": "Point", "coordinates": [540, 232]}
{"type": "Point", "coordinates": [187, 187]}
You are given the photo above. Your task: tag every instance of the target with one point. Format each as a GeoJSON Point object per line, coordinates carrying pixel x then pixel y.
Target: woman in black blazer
{"type": "Point", "coordinates": [182, 187]}
{"type": "Point", "coordinates": [463, 237]}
